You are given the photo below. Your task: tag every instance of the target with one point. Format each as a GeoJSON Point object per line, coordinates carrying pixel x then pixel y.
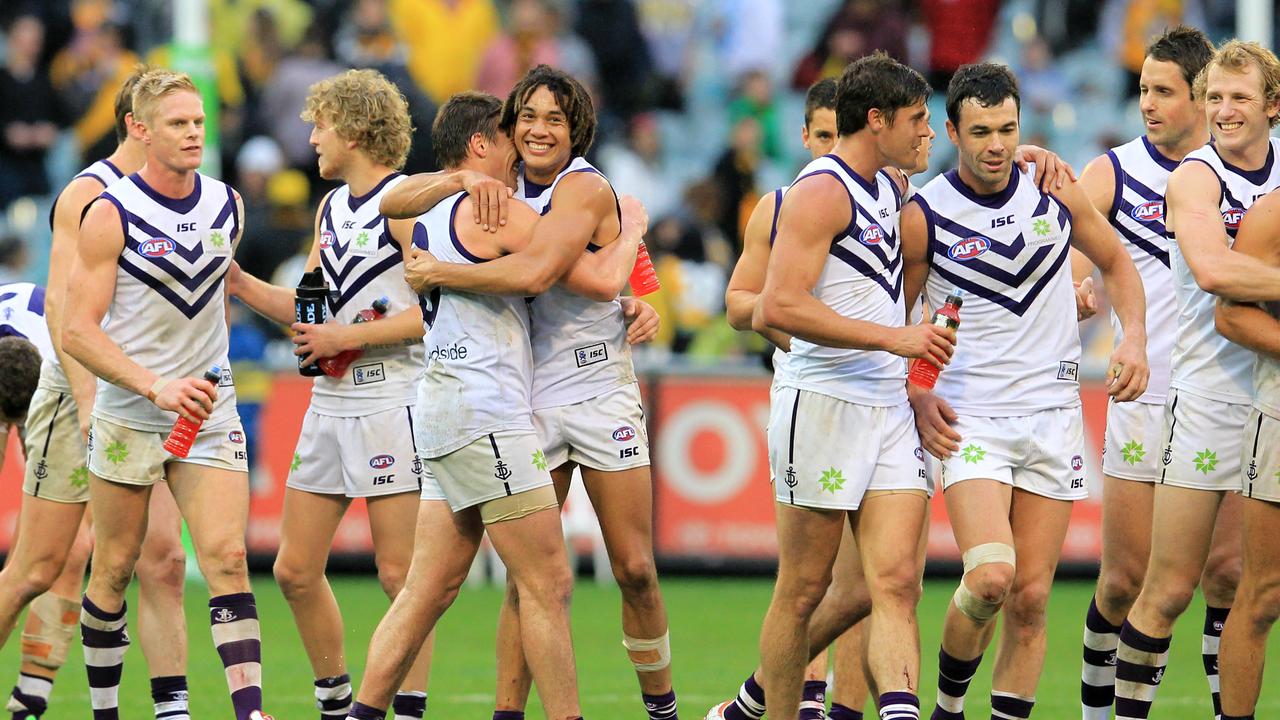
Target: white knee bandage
{"type": "Point", "coordinates": [649, 655]}
{"type": "Point", "coordinates": [980, 609]}
{"type": "Point", "coordinates": [52, 625]}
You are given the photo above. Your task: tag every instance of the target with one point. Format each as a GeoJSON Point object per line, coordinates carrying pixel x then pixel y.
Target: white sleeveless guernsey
{"type": "Point", "coordinates": [362, 262]}
{"type": "Point", "coordinates": [1266, 376]}
{"type": "Point", "coordinates": [861, 280]}
{"type": "Point", "coordinates": [1137, 214]}
{"type": "Point", "coordinates": [1018, 348]}
{"type": "Point", "coordinates": [479, 364]}
{"type": "Point", "coordinates": [51, 375]}
{"type": "Point", "coordinates": [779, 357]}
{"type": "Point", "coordinates": [1204, 362]}
{"type": "Point", "coordinates": [580, 348]}
{"type": "Point", "coordinates": [168, 313]}
{"type": "Point", "coordinates": [22, 315]}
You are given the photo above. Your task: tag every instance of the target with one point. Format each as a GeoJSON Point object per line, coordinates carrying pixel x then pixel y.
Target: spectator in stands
{"type": "Point", "coordinates": [366, 39]}
{"type": "Point", "coordinates": [285, 93]}
{"type": "Point", "coordinates": [13, 259]}
{"type": "Point", "coordinates": [535, 35]}
{"type": "Point", "coordinates": [959, 32]}
{"type": "Point", "coordinates": [735, 178]}
{"type": "Point", "coordinates": [856, 28]}
{"type": "Point", "coordinates": [445, 39]}
{"type": "Point", "coordinates": [260, 250]}
{"type": "Point", "coordinates": [29, 112]}
{"type": "Point", "coordinates": [88, 72]}
{"type": "Point", "coordinates": [1043, 84]}
{"type": "Point", "coordinates": [750, 36]}
{"type": "Point", "coordinates": [668, 27]}
{"type": "Point", "coordinates": [611, 29]}
{"type": "Point", "coordinates": [1137, 22]}
{"type": "Point", "coordinates": [755, 100]}
{"type": "Point", "coordinates": [639, 168]}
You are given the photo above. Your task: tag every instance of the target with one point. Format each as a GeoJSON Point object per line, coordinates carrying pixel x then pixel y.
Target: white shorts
{"type": "Point", "coordinates": [1042, 453]}
{"type": "Point", "coordinates": [137, 457]}
{"type": "Point", "coordinates": [501, 463]}
{"type": "Point", "coordinates": [827, 453]}
{"type": "Point", "coordinates": [1261, 459]}
{"type": "Point", "coordinates": [365, 456]}
{"type": "Point", "coordinates": [605, 433]}
{"type": "Point", "coordinates": [1202, 442]}
{"type": "Point", "coordinates": [55, 450]}
{"type": "Point", "coordinates": [1134, 438]}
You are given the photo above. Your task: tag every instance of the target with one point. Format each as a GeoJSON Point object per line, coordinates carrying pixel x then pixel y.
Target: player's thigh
{"type": "Point", "coordinates": [391, 525]}
{"type": "Point", "coordinates": [1182, 529]}
{"type": "Point", "coordinates": [531, 546]}
{"type": "Point", "coordinates": [46, 531]}
{"type": "Point", "coordinates": [445, 544]}
{"type": "Point", "coordinates": [887, 535]}
{"type": "Point", "coordinates": [307, 526]}
{"type": "Point", "coordinates": [847, 573]}
{"type": "Point", "coordinates": [164, 525]}
{"type": "Point", "coordinates": [1261, 523]}
{"type": "Point", "coordinates": [979, 512]}
{"type": "Point", "coordinates": [119, 514]}
{"type": "Point", "coordinates": [808, 540]}
{"type": "Point", "coordinates": [1039, 526]}
{"type": "Point", "coordinates": [1126, 525]}
{"type": "Point", "coordinates": [213, 501]}
{"type": "Point", "coordinates": [623, 501]}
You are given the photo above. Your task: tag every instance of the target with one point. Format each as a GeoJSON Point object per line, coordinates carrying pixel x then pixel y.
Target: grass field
{"type": "Point", "coordinates": [714, 626]}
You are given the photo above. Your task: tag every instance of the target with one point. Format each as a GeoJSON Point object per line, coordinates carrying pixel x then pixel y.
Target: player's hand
{"type": "Point", "coordinates": [924, 340]}
{"type": "Point", "coordinates": [1052, 172]}
{"type": "Point", "coordinates": [934, 418]}
{"type": "Point", "coordinates": [1128, 372]}
{"type": "Point", "coordinates": [417, 272]}
{"type": "Point", "coordinates": [489, 197]}
{"type": "Point", "coordinates": [235, 278]}
{"type": "Point", "coordinates": [634, 217]}
{"type": "Point", "coordinates": [642, 320]}
{"type": "Point", "coordinates": [192, 398]}
{"type": "Point", "coordinates": [1086, 300]}
{"type": "Point", "coordinates": [316, 342]}
{"type": "Point", "coordinates": [84, 415]}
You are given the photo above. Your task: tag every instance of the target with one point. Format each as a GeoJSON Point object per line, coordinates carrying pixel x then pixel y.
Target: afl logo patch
{"type": "Point", "coordinates": [969, 248]}
{"type": "Point", "coordinates": [156, 247]}
{"type": "Point", "coordinates": [1077, 463]}
{"type": "Point", "coordinates": [872, 235]}
{"type": "Point", "coordinates": [626, 433]}
{"type": "Point", "coordinates": [326, 239]}
{"type": "Point", "coordinates": [1231, 217]}
{"type": "Point", "coordinates": [236, 437]}
{"type": "Point", "coordinates": [379, 462]}
{"type": "Point", "coordinates": [1149, 211]}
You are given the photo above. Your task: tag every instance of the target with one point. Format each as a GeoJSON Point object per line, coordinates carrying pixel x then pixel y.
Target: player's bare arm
{"type": "Point", "coordinates": [272, 301]}
{"type": "Point", "coordinates": [1128, 371]}
{"type": "Point", "coordinates": [93, 274]}
{"type": "Point", "coordinates": [1248, 324]}
{"type": "Point", "coordinates": [1192, 206]}
{"type": "Point", "coordinates": [603, 274]}
{"type": "Point", "coordinates": [1098, 182]}
{"type": "Point", "coordinates": [807, 222]}
{"type": "Point", "coordinates": [582, 202]}
{"type": "Point", "coordinates": [62, 251]}
{"type": "Point", "coordinates": [743, 292]}
{"type": "Point", "coordinates": [933, 414]}
{"type": "Point", "coordinates": [419, 193]}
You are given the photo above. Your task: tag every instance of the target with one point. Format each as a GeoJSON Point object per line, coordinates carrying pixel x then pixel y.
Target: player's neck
{"type": "Point", "coordinates": [978, 186]}
{"type": "Point", "coordinates": [364, 175]}
{"type": "Point", "coordinates": [1193, 141]}
{"type": "Point", "coordinates": [858, 151]}
{"type": "Point", "coordinates": [168, 181]}
{"type": "Point", "coordinates": [1251, 157]}
{"type": "Point", "coordinates": [544, 177]}
{"type": "Point", "coordinates": [129, 156]}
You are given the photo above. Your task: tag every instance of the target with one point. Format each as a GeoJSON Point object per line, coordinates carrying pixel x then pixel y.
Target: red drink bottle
{"type": "Point", "coordinates": [337, 365]}
{"type": "Point", "coordinates": [184, 431]}
{"type": "Point", "coordinates": [923, 373]}
{"type": "Point", "coordinates": [644, 279]}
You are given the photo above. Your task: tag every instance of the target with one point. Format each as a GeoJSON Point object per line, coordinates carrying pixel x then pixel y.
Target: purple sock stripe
{"type": "Point", "coordinates": [1098, 657]}
{"type": "Point", "coordinates": [1137, 673]}
{"type": "Point", "coordinates": [1017, 707]}
{"type": "Point", "coordinates": [246, 700]}
{"type": "Point", "coordinates": [172, 713]}
{"type": "Point", "coordinates": [230, 608]}
{"type": "Point", "coordinates": [898, 698]}
{"type": "Point", "coordinates": [106, 714]}
{"type": "Point", "coordinates": [1096, 622]}
{"type": "Point", "coordinates": [1134, 638]}
{"type": "Point", "coordinates": [956, 669]}
{"type": "Point", "coordinates": [104, 677]}
{"type": "Point", "coordinates": [334, 704]}
{"type": "Point", "coordinates": [240, 651]}
{"type": "Point", "coordinates": [815, 690]}
{"type": "Point", "coordinates": [87, 605]}
{"type": "Point", "coordinates": [1097, 696]}
{"type": "Point", "coordinates": [360, 711]}
{"type": "Point", "coordinates": [102, 639]}
{"type": "Point", "coordinates": [410, 705]}
{"type": "Point", "coordinates": [333, 682]}
{"type": "Point", "coordinates": [754, 691]}
{"type": "Point", "coordinates": [167, 684]}
{"type": "Point", "coordinates": [1130, 708]}
{"type": "Point", "coordinates": [508, 715]}
{"type": "Point", "coordinates": [1212, 615]}
{"type": "Point", "coordinates": [843, 712]}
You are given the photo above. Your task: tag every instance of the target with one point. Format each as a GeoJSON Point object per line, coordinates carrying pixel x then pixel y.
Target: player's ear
{"type": "Point", "coordinates": [478, 145]}
{"type": "Point", "coordinates": [952, 133]}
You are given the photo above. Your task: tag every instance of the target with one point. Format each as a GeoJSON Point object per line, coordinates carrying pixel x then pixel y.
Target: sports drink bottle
{"type": "Point", "coordinates": [923, 373]}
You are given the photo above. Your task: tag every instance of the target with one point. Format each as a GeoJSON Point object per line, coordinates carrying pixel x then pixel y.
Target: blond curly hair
{"type": "Point", "coordinates": [154, 85]}
{"type": "Point", "coordinates": [1236, 56]}
{"type": "Point", "coordinates": [366, 108]}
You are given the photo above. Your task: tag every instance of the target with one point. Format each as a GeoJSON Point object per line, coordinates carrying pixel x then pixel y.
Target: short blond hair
{"type": "Point", "coordinates": [156, 85]}
{"type": "Point", "coordinates": [366, 108]}
{"type": "Point", "coordinates": [1236, 56]}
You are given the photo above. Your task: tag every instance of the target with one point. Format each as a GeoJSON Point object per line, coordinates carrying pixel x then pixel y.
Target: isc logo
{"type": "Point", "coordinates": [626, 433]}
{"type": "Point", "coordinates": [384, 479]}
{"type": "Point", "coordinates": [1231, 217]}
{"type": "Point", "coordinates": [630, 452]}
{"type": "Point", "coordinates": [156, 247]}
{"type": "Point", "coordinates": [1002, 221]}
{"type": "Point", "coordinates": [1149, 211]}
{"type": "Point", "coordinates": [326, 239]}
{"type": "Point", "coordinates": [186, 227]}
{"type": "Point", "coordinates": [969, 248]}
{"type": "Point", "coordinates": [872, 235]}
{"type": "Point", "coordinates": [381, 462]}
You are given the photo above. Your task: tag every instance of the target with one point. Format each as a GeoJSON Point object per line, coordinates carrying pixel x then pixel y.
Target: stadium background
{"type": "Point", "coordinates": [700, 108]}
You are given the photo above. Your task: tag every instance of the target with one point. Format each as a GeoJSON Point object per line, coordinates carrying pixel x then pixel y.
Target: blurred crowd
{"type": "Point", "coordinates": [700, 102]}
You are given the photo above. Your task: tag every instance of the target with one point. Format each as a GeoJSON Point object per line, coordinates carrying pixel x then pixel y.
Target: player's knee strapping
{"type": "Point", "coordinates": [976, 607]}
{"type": "Point", "coordinates": [649, 655]}
{"type": "Point", "coordinates": [46, 639]}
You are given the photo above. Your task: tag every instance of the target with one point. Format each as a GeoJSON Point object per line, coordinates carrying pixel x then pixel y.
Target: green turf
{"type": "Point", "coordinates": [714, 626]}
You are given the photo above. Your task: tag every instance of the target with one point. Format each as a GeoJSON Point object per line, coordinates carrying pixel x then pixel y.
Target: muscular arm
{"type": "Point", "coordinates": [743, 293]}
{"type": "Point", "coordinates": [419, 193]}
{"type": "Point", "coordinates": [915, 254]}
{"type": "Point", "coordinates": [62, 253]}
{"type": "Point", "coordinates": [272, 301]}
{"type": "Point", "coordinates": [1247, 324]}
{"type": "Point", "coordinates": [582, 200]}
{"type": "Point", "coordinates": [1098, 182]}
{"type": "Point", "coordinates": [1192, 209]}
